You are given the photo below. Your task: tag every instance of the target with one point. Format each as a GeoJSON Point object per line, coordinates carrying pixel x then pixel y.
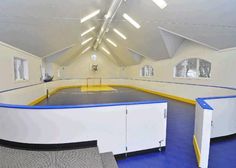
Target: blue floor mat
{"type": "Point", "coordinates": [179, 150]}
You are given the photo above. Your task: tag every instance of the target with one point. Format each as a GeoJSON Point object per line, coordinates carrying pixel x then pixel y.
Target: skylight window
{"type": "Point", "coordinates": [91, 15]}
{"type": "Point", "coordinates": [120, 34]}
{"type": "Point", "coordinates": [111, 42]}
{"type": "Point", "coordinates": [131, 21]}
{"type": "Point", "coordinates": [161, 3]}
{"type": "Point", "coordinates": [86, 41]}
{"type": "Point", "coordinates": [87, 31]}
{"type": "Point", "coordinates": [106, 51]}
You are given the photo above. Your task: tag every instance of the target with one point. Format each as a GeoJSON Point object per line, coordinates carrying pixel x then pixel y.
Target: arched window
{"type": "Point", "coordinates": [147, 71]}
{"type": "Point", "coordinates": [193, 68]}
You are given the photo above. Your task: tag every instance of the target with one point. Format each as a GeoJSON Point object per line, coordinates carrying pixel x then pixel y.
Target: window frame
{"type": "Point", "coordinates": [25, 69]}
{"type": "Point", "coordinates": [149, 72]}
{"type": "Point", "coordinates": [197, 70]}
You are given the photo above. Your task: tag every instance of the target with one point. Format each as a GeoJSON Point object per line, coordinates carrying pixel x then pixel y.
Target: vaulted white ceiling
{"type": "Point", "coordinates": [52, 28]}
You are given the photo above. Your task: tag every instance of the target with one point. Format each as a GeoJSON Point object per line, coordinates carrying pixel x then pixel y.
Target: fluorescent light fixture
{"type": "Point", "coordinates": [131, 21]}
{"type": "Point", "coordinates": [87, 31]}
{"type": "Point", "coordinates": [161, 3]}
{"type": "Point", "coordinates": [106, 51]}
{"type": "Point", "coordinates": [111, 42]}
{"type": "Point", "coordinates": [120, 34]}
{"type": "Point", "coordinates": [86, 41]}
{"type": "Point", "coordinates": [85, 50]}
{"type": "Point", "coordinates": [90, 16]}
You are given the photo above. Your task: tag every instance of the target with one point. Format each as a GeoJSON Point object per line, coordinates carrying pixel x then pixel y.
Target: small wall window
{"type": "Point", "coordinates": [94, 57]}
{"type": "Point", "coordinates": [21, 69]}
{"type": "Point", "coordinates": [147, 71]}
{"type": "Point", "coordinates": [193, 68]}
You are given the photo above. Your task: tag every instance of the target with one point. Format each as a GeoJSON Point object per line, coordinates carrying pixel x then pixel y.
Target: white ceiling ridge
{"type": "Point", "coordinates": [108, 19]}
{"type": "Point", "coordinates": [188, 38]}
{"type": "Point", "coordinates": [228, 49]}
{"type": "Point", "coordinates": [58, 51]}
{"type": "Point", "coordinates": [136, 52]}
{"type": "Point", "coordinates": [17, 49]}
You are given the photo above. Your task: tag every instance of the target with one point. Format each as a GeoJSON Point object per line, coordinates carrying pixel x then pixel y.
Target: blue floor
{"type": "Point", "coordinates": [179, 150]}
{"type": "Point", "coordinates": [223, 153]}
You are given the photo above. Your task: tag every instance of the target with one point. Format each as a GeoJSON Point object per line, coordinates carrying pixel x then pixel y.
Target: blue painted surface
{"type": "Point", "coordinates": [223, 153]}
{"type": "Point", "coordinates": [82, 105]}
{"type": "Point", "coordinates": [179, 150]}
{"type": "Point", "coordinates": [219, 97]}
{"type": "Point", "coordinates": [204, 104]}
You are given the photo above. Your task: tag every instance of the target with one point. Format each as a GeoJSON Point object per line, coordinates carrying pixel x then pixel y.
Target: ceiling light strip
{"type": "Point", "coordinates": [104, 49]}
{"type": "Point", "coordinates": [120, 34]}
{"type": "Point", "coordinates": [160, 3]}
{"type": "Point", "coordinates": [111, 42]}
{"type": "Point", "coordinates": [86, 41]}
{"type": "Point", "coordinates": [84, 19]}
{"type": "Point", "coordinates": [85, 50]}
{"type": "Point", "coordinates": [87, 31]}
{"type": "Point", "coordinates": [131, 21]}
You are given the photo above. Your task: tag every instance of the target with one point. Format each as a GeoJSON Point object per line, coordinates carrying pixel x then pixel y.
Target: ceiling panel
{"type": "Point", "coordinates": [44, 27]}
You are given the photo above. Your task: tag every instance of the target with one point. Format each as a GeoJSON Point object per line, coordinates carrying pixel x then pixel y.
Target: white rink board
{"type": "Point", "coordinates": [146, 126]}
{"type": "Point", "coordinates": [223, 117]}
{"type": "Point", "coordinates": [107, 124]}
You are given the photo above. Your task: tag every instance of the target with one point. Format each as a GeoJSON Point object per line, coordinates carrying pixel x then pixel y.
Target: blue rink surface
{"type": "Point", "coordinates": [179, 151]}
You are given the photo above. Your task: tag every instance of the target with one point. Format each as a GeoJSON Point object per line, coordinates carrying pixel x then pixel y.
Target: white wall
{"type": "Point", "coordinates": [52, 69]}
{"type": "Point", "coordinates": [222, 74]}
{"type": "Point", "coordinates": [81, 67]}
{"type": "Point", "coordinates": [7, 80]}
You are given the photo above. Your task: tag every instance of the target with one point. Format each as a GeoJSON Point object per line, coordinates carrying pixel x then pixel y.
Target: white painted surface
{"type": "Point", "coordinates": [46, 27]}
{"type": "Point", "coordinates": [223, 117]}
{"type": "Point", "coordinates": [7, 80]}
{"type": "Point", "coordinates": [214, 123]}
{"type": "Point", "coordinates": [146, 126]}
{"type": "Point", "coordinates": [202, 131]}
{"type": "Point", "coordinates": [223, 63]}
{"type": "Point", "coordinates": [172, 41]}
{"type": "Point", "coordinates": [27, 95]}
{"type": "Point", "coordinates": [56, 126]}
{"type": "Point", "coordinates": [23, 96]}
{"type": "Point", "coordinates": [105, 124]}
{"type": "Point", "coordinates": [80, 67]}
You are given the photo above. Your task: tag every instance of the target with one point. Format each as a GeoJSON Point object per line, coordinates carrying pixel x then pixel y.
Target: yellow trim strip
{"type": "Point", "coordinates": [196, 149]}
{"type": "Point", "coordinates": [38, 100]}
{"type": "Point", "coordinates": [96, 88]}
{"type": "Point", "coordinates": [189, 101]}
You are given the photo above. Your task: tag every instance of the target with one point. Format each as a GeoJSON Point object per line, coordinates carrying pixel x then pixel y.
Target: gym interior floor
{"type": "Point", "coordinates": [179, 150]}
